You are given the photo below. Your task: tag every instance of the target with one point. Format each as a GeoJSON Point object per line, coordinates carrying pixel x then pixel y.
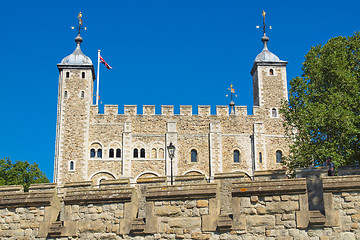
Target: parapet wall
{"type": "Point", "coordinates": [168, 110]}
{"type": "Point", "coordinates": [231, 207]}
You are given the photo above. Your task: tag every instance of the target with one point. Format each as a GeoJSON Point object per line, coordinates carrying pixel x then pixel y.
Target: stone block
{"type": "Point", "coordinates": [266, 220]}
{"type": "Point", "coordinates": [202, 203]}
{"type": "Point", "coordinates": [185, 222]}
{"type": "Point", "coordinates": [209, 223]}
{"type": "Point", "coordinates": [167, 211]}
{"type": "Point", "coordinates": [302, 219]}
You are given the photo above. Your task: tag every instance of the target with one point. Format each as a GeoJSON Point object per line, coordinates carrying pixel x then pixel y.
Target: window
{"type": "Point", "coordinates": [99, 153]}
{"type": "Point", "coordinates": [153, 153]}
{"type": "Point", "coordinates": [161, 153]}
{"type": "Point", "coordinates": [118, 153]}
{"type": "Point", "coordinates": [236, 156]}
{"type": "Point", "coordinates": [67, 74]}
{"type": "Point", "coordinates": [65, 94]}
{"type": "Point", "coordinates": [83, 75]}
{"type": "Point", "coordinates": [136, 153]}
{"type": "Point", "coordinates": [278, 156]}
{"type": "Point", "coordinates": [71, 166]}
{"type": "Point", "coordinates": [260, 157]}
{"type": "Point", "coordinates": [82, 95]}
{"type": "Point", "coordinates": [142, 153]}
{"type": "Point", "coordinates": [274, 113]}
{"type": "Point", "coordinates": [193, 155]}
{"type": "Point", "coordinates": [92, 153]}
{"type": "Point", "coordinates": [271, 72]}
{"type": "Point", "coordinates": [111, 153]}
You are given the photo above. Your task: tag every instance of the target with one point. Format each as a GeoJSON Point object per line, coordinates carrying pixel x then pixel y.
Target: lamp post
{"type": "Point", "coordinates": [171, 149]}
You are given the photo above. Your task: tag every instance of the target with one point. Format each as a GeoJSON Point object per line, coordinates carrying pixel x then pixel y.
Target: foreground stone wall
{"type": "Point", "coordinates": [231, 207]}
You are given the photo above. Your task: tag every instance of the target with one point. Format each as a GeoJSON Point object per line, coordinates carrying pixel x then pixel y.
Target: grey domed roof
{"type": "Point", "coordinates": [77, 57]}
{"type": "Point", "coordinates": [266, 55]}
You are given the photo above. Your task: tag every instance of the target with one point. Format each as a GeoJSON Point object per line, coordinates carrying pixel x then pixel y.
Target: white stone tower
{"type": "Point", "coordinates": [76, 77]}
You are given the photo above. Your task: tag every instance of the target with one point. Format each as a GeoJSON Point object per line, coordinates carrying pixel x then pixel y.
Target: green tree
{"type": "Point", "coordinates": [20, 173]}
{"type": "Point", "coordinates": [322, 115]}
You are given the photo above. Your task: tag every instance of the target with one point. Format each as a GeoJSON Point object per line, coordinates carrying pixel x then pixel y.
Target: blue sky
{"type": "Point", "coordinates": [163, 52]}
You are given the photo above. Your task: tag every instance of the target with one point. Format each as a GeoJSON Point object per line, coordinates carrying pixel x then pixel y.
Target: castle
{"type": "Point", "coordinates": [93, 146]}
{"type": "Point", "coordinates": [112, 172]}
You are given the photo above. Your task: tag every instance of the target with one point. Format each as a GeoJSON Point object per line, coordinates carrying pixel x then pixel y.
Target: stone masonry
{"type": "Point", "coordinates": [232, 207]}
{"type": "Point", "coordinates": [93, 146]}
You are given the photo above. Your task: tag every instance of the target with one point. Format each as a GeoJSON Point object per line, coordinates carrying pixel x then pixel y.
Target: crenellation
{"type": "Point", "coordinates": [241, 111]}
{"type": "Point", "coordinates": [130, 110]}
{"type": "Point", "coordinates": [148, 110]}
{"type": "Point", "coordinates": [204, 110]}
{"type": "Point", "coordinates": [111, 109]}
{"type": "Point", "coordinates": [222, 110]}
{"type": "Point", "coordinates": [186, 110]}
{"type": "Point", "coordinates": [167, 110]}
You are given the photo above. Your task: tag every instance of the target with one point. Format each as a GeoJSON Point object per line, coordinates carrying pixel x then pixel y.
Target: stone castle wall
{"type": "Point", "coordinates": [231, 207]}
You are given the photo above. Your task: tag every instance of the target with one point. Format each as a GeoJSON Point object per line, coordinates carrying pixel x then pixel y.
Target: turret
{"type": "Point", "coordinates": [75, 96]}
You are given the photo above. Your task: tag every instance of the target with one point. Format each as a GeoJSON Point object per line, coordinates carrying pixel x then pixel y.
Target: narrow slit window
{"type": "Point", "coordinates": [83, 75]}
{"type": "Point", "coordinates": [65, 94]}
{"type": "Point", "coordinates": [71, 167]}
{"type": "Point", "coordinates": [67, 74]}
{"type": "Point", "coordinates": [136, 153]}
{"type": "Point", "coordinates": [236, 156]}
{"type": "Point", "coordinates": [274, 112]}
{"type": "Point", "coordinates": [142, 153]}
{"type": "Point", "coordinates": [278, 156]}
{"type": "Point", "coordinates": [271, 72]}
{"type": "Point", "coordinates": [99, 153]}
{"type": "Point", "coordinates": [118, 153]}
{"type": "Point", "coordinates": [82, 94]}
{"type": "Point", "coordinates": [194, 155]}
{"type": "Point", "coordinates": [111, 153]}
{"type": "Point", "coordinates": [260, 157]}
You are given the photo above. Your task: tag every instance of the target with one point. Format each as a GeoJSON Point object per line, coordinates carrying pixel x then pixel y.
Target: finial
{"type": "Point", "coordinates": [232, 104]}
{"type": "Point", "coordinates": [79, 39]}
{"type": "Point", "coordinates": [264, 39]}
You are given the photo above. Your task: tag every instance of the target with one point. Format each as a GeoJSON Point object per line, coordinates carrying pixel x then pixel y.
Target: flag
{"type": "Point", "coordinates": [105, 63]}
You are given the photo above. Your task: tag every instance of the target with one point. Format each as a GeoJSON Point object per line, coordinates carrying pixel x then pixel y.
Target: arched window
{"type": "Point", "coordinates": [92, 153]}
{"type": "Point", "coordinates": [65, 94]}
{"type": "Point", "coordinates": [260, 157]}
{"type": "Point", "coordinates": [142, 153]}
{"type": "Point", "coordinates": [71, 166]}
{"type": "Point", "coordinates": [118, 153]}
{"type": "Point", "coordinates": [111, 153]}
{"type": "Point", "coordinates": [236, 156]}
{"type": "Point", "coordinates": [278, 156]}
{"type": "Point", "coordinates": [99, 153]}
{"type": "Point", "coordinates": [153, 153]}
{"type": "Point", "coordinates": [161, 153]}
{"type": "Point", "coordinates": [67, 74]}
{"type": "Point", "coordinates": [193, 155]}
{"type": "Point", "coordinates": [83, 75]}
{"type": "Point", "coordinates": [136, 153]}
{"type": "Point", "coordinates": [271, 72]}
{"type": "Point", "coordinates": [82, 94]}
{"type": "Point", "coordinates": [274, 112]}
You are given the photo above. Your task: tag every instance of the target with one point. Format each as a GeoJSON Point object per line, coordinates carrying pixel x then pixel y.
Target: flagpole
{"type": "Point", "coordinates": [97, 82]}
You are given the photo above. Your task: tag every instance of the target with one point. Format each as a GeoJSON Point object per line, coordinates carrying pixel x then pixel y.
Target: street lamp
{"type": "Point", "coordinates": [171, 149]}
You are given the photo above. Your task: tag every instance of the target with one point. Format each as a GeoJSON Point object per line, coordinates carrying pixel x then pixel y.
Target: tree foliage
{"type": "Point", "coordinates": [323, 112]}
{"type": "Point", "coordinates": [20, 173]}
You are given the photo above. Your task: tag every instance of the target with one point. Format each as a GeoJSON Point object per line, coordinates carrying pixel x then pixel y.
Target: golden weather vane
{"type": "Point", "coordinates": [80, 23]}
{"type": "Point", "coordinates": [232, 104]}
{"type": "Point", "coordinates": [232, 91]}
{"type": "Point", "coordinates": [264, 25]}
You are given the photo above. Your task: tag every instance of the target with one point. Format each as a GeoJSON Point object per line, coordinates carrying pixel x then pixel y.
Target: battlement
{"type": "Point", "coordinates": [168, 110]}
{"type": "Point", "coordinates": [231, 205]}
